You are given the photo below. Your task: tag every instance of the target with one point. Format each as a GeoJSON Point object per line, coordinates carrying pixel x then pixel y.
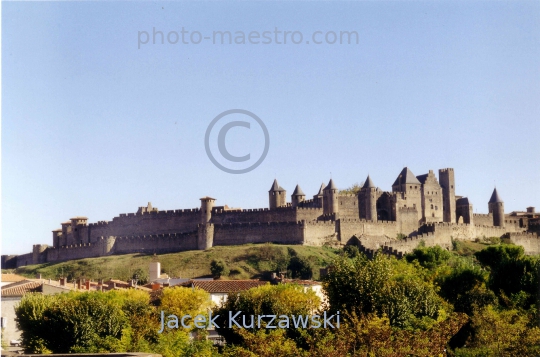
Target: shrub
{"type": "Point", "coordinates": [300, 268]}
{"type": "Point", "coordinates": [218, 268]}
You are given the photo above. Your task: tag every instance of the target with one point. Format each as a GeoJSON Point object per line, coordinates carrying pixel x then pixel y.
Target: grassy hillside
{"type": "Point", "coordinates": [244, 261]}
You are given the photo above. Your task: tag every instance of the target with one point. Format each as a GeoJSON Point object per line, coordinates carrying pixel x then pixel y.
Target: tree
{"type": "Point", "coordinates": [300, 268]}
{"type": "Point", "coordinates": [114, 321]}
{"type": "Point", "coordinates": [141, 276]}
{"type": "Point", "coordinates": [218, 268]}
{"type": "Point", "coordinates": [182, 301]}
{"type": "Point", "coordinates": [282, 299]}
{"type": "Point", "coordinates": [505, 333]}
{"type": "Point", "coordinates": [511, 272]}
{"type": "Point", "coordinates": [73, 322]}
{"type": "Point", "coordinates": [465, 287]}
{"type": "Point", "coordinates": [351, 251]}
{"type": "Point", "coordinates": [429, 257]}
{"type": "Point", "coordinates": [382, 286]}
{"type": "Point", "coordinates": [354, 189]}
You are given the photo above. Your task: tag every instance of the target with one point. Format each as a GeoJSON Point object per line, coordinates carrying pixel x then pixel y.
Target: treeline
{"type": "Point", "coordinates": [432, 303]}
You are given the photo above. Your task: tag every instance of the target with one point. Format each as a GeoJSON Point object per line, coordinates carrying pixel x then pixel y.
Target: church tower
{"type": "Point", "coordinates": [496, 207]}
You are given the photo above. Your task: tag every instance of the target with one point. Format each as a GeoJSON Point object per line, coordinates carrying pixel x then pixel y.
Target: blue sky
{"type": "Point", "coordinates": [94, 126]}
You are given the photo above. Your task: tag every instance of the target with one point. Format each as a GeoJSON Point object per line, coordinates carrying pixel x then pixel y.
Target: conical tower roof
{"type": "Point", "coordinates": [276, 187]}
{"type": "Point", "coordinates": [405, 177]}
{"type": "Point", "coordinates": [495, 197]}
{"type": "Point", "coordinates": [321, 190]}
{"type": "Point", "coordinates": [298, 191]}
{"type": "Point", "coordinates": [331, 185]}
{"type": "Point", "coordinates": [369, 183]}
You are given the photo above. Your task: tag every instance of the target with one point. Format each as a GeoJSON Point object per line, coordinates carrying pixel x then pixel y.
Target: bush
{"type": "Point", "coordinates": [429, 257]}
{"type": "Point", "coordinates": [351, 251]}
{"type": "Point", "coordinates": [141, 276]}
{"type": "Point", "coordinates": [401, 236]}
{"type": "Point", "coordinates": [218, 268]}
{"type": "Point", "coordinates": [300, 268]}
{"type": "Point", "coordinates": [282, 299]}
{"type": "Point", "coordinates": [382, 286]}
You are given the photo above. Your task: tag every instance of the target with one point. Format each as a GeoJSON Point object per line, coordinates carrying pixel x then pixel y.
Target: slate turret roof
{"type": "Point", "coordinates": [298, 191]}
{"type": "Point", "coordinates": [276, 187]}
{"type": "Point", "coordinates": [495, 197]}
{"type": "Point", "coordinates": [369, 183]}
{"type": "Point", "coordinates": [405, 177]}
{"type": "Point", "coordinates": [331, 185]}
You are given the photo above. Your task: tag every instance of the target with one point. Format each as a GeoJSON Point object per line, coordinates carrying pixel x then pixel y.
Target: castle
{"type": "Point", "coordinates": [419, 208]}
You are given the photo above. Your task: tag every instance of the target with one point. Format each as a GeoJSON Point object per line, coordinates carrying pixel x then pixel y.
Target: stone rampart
{"type": "Point", "coordinates": [407, 245]}
{"type": "Point", "coordinates": [318, 233]}
{"type": "Point", "coordinates": [529, 241]}
{"type": "Point", "coordinates": [348, 206]}
{"type": "Point", "coordinates": [147, 223]}
{"type": "Point", "coordinates": [369, 232]}
{"type": "Point", "coordinates": [156, 243]}
{"type": "Point", "coordinates": [243, 233]}
{"type": "Point", "coordinates": [483, 219]}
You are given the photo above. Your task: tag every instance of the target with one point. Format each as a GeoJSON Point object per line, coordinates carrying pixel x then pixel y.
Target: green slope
{"type": "Point", "coordinates": [244, 261]}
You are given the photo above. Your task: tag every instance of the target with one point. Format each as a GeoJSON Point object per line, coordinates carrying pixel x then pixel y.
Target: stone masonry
{"type": "Point", "coordinates": [419, 208]}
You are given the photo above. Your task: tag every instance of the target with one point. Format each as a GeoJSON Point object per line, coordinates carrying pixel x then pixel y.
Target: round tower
{"type": "Point", "coordinates": [276, 196]}
{"type": "Point", "coordinates": [298, 196]}
{"type": "Point", "coordinates": [331, 204]}
{"type": "Point", "coordinates": [207, 203]}
{"type": "Point", "coordinates": [496, 207]}
{"type": "Point", "coordinates": [368, 198]}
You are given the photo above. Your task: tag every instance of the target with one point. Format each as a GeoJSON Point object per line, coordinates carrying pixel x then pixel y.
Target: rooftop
{"type": "Point", "coordinates": [21, 288]}
{"type": "Point", "coordinates": [495, 197]}
{"type": "Point", "coordinates": [405, 177]}
{"type": "Point", "coordinates": [369, 183]}
{"type": "Point", "coordinates": [224, 286]}
{"type": "Point", "coordinates": [276, 187]}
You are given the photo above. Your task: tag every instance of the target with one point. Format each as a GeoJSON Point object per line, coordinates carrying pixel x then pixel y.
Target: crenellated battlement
{"type": "Point", "coordinates": [164, 213]}
{"type": "Point", "coordinates": [99, 224]}
{"type": "Point", "coordinates": [318, 223]}
{"type": "Point", "coordinates": [361, 220]}
{"type": "Point", "coordinates": [256, 224]}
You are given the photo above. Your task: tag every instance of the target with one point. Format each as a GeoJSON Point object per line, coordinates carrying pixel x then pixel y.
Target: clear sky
{"type": "Point", "coordinates": [93, 125]}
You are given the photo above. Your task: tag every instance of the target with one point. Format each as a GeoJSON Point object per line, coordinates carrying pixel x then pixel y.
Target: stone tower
{"type": "Point", "coordinates": [277, 196]}
{"type": "Point", "coordinates": [298, 196]}
{"type": "Point", "coordinates": [496, 207]}
{"type": "Point", "coordinates": [205, 231]}
{"type": "Point", "coordinates": [464, 211]}
{"type": "Point", "coordinates": [57, 235]}
{"type": "Point", "coordinates": [330, 194]}
{"type": "Point", "coordinates": [410, 191]}
{"type": "Point", "coordinates": [319, 197]}
{"type": "Point", "coordinates": [448, 185]}
{"type": "Point", "coordinates": [207, 203]}
{"type": "Point", "coordinates": [367, 200]}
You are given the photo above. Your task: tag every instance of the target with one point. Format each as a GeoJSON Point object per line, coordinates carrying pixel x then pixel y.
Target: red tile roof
{"type": "Point", "coordinates": [224, 286]}
{"type": "Point", "coordinates": [21, 288]}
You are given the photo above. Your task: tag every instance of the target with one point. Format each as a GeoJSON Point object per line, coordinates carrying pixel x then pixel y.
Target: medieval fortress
{"type": "Point", "coordinates": [419, 208]}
